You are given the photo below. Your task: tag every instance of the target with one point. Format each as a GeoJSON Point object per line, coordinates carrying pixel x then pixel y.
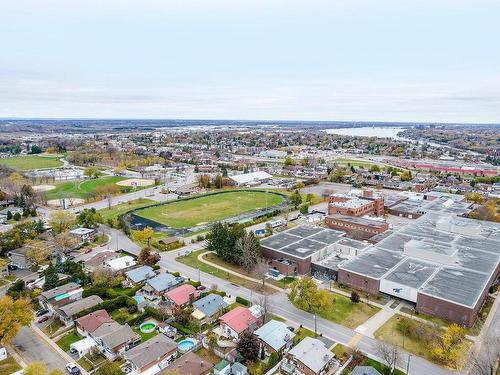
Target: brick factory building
{"type": "Point", "coordinates": [357, 203]}
{"type": "Point", "coordinates": [362, 226]}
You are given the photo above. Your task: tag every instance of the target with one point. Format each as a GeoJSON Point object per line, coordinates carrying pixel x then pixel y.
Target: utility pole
{"type": "Point", "coordinates": [408, 365]}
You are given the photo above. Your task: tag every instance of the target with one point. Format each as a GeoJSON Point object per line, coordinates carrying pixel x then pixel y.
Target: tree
{"type": "Point", "coordinates": [37, 252]}
{"type": "Point", "coordinates": [248, 346]}
{"type": "Point", "coordinates": [249, 247]}
{"type": "Point", "coordinates": [222, 238]}
{"type": "Point", "coordinates": [289, 162]}
{"type": "Point", "coordinates": [17, 290]}
{"type": "Point", "coordinates": [354, 297]}
{"type": "Point", "coordinates": [218, 181]}
{"type": "Point", "coordinates": [306, 295]}
{"type": "Point", "coordinates": [485, 361]}
{"type": "Point", "coordinates": [15, 314]}
{"type": "Point", "coordinates": [91, 172]}
{"type": "Point", "coordinates": [309, 197]}
{"type": "Point", "coordinates": [337, 175]}
{"type": "Point", "coordinates": [374, 168]}
{"type": "Point", "coordinates": [104, 277]}
{"type": "Point", "coordinates": [65, 241]}
{"type": "Point", "coordinates": [9, 215]}
{"type": "Point", "coordinates": [405, 176]}
{"type": "Point", "coordinates": [148, 257]}
{"type": "Point", "coordinates": [212, 341]}
{"type": "Point", "coordinates": [296, 199]}
{"type": "Point", "coordinates": [447, 346]}
{"type": "Point", "coordinates": [89, 218]}
{"type": "Point", "coordinates": [389, 354]}
{"type": "Point", "coordinates": [143, 236]}
{"type": "Point", "coordinates": [109, 368]}
{"type": "Point", "coordinates": [61, 221]}
{"type": "Point", "coordinates": [51, 278]}
{"type": "Point", "coordinates": [17, 216]}
{"type": "Point", "coordinates": [304, 209]}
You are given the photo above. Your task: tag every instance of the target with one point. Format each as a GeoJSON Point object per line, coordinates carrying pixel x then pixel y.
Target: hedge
{"type": "Point", "coordinates": [149, 312]}
{"type": "Point", "coordinates": [110, 293]}
{"type": "Point", "coordinates": [196, 284]}
{"type": "Point", "coordinates": [243, 301]}
{"type": "Point", "coordinates": [111, 304]}
{"type": "Point", "coordinates": [182, 329]}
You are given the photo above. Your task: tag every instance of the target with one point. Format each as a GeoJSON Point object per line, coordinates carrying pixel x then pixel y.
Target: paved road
{"type": "Point", "coordinates": [32, 348]}
{"type": "Point", "coordinates": [280, 305]}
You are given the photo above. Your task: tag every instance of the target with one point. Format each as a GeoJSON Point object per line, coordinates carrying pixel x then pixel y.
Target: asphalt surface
{"type": "Point", "coordinates": [32, 348]}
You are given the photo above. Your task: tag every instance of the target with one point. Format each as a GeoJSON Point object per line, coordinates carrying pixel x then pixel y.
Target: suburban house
{"type": "Point", "coordinates": [308, 357]}
{"type": "Point", "coordinates": [189, 364]}
{"type": "Point", "coordinates": [275, 336]}
{"type": "Point", "coordinates": [182, 295]}
{"type": "Point", "coordinates": [67, 312]}
{"type": "Point", "coordinates": [83, 234]}
{"type": "Point", "coordinates": [208, 308]}
{"type": "Point", "coordinates": [152, 355]}
{"type": "Point", "coordinates": [160, 284]}
{"type": "Point", "coordinates": [120, 263]}
{"type": "Point", "coordinates": [236, 322]}
{"type": "Point", "coordinates": [139, 275]}
{"type": "Point", "coordinates": [99, 260]}
{"type": "Point", "coordinates": [89, 323]}
{"type": "Point", "coordinates": [18, 256]}
{"type": "Point", "coordinates": [60, 296]}
{"type": "Point", "coordinates": [114, 339]}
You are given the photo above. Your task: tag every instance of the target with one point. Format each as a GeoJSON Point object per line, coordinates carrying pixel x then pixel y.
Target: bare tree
{"type": "Point", "coordinates": [263, 301]}
{"type": "Point", "coordinates": [389, 354]}
{"type": "Point", "coordinates": [486, 361]}
{"type": "Point", "coordinates": [249, 249]}
{"type": "Point", "coordinates": [285, 211]}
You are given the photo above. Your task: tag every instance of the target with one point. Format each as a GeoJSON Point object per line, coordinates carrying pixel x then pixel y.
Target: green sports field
{"type": "Point", "coordinates": [23, 163]}
{"type": "Point", "coordinates": [79, 188]}
{"type": "Point", "coordinates": [207, 209]}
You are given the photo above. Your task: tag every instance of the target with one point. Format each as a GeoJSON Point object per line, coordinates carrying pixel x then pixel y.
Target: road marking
{"type": "Point", "coordinates": [355, 339]}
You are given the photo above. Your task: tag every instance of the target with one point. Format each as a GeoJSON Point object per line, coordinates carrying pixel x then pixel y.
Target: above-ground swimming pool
{"type": "Point", "coordinates": [147, 327]}
{"type": "Point", "coordinates": [186, 345]}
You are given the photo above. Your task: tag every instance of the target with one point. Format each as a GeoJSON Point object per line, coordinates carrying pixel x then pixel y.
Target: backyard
{"type": "Point", "coordinates": [28, 162]}
{"type": "Point", "coordinates": [210, 208]}
{"type": "Point", "coordinates": [65, 342]}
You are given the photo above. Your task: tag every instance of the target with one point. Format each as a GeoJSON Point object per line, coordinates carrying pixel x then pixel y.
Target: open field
{"type": "Point", "coordinates": [356, 162]}
{"type": "Point", "coordinates": [121, 208]}
{"type": "Point", "coordinates": [28, 162]}
{"type": "Point", "coordinates": [207, 209]}
{"type": "Point", "coordinates": [136, 182]}
{"type": "Point", "coordinates": [80, 188]}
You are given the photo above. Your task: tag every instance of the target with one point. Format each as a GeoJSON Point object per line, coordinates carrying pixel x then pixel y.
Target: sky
{"type": "Point", "coordinates": [344, 60]}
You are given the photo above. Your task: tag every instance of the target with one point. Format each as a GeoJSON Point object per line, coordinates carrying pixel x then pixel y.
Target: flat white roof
{"type": "Point", "coordinates": [250, 177]}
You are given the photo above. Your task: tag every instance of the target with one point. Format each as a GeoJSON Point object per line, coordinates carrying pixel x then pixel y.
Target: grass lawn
{"type": "Point", "coordinates": [65, 342]}
{"type": "Point", "coordinates": [192, 261]}
{"type": "Point", "coordinates": [278, 318]}
{"type": "Point", "coordinates": [346, 313]}
{"type": "Point", "coordinates": [207, 209]}
{"type": "Point", "coordinates": [355, 162]}
{"type": "Point", "coordinates": [389, 333]}
{"type": "Point", "coordinates": [121, 208]}
{"type": "Point", "coordinates": [86, 362]}
{"type": "Point", "coordinates": [302, 333]}
{"type": "Point", "coordinates": [144, 336]}
{"type": "Point", "coordinates": [122, 315]}
{"type": "Point", "coordinates": [3, 282]}
{"type": "Point", "coordinates": [80, 188]}
{"type": "Point", "coordinates": [29, 162]}
{"type": "Point", "coordinates": [256, 368]}
{"type": "Point", "coordinates": [9, 366]}
{"type": "Point", "coordinates": [475, 330]}
{"type": "Point", "coordinates": [208, 356]}
{"type": "Point", "coordinates": [52, 327]}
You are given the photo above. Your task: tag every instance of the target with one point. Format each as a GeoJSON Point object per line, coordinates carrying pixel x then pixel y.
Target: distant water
{"type": "Point", "coordinates": [368, 131]}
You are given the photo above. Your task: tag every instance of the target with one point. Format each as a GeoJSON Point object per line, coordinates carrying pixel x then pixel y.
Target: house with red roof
{"type": "Point", "coordinates": [237, 321]}
{"type": "Point", "coordinates": [182, 295]}
{"type": "Point", "coordinates": [89, 323]}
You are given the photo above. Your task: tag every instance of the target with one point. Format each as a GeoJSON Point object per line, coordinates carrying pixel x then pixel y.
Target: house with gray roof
{"type": "Point", "coordinates": [310, 356]}
{"type": "Point", "coordinates": [274, 336]}
{"type": "Point", "coordinates": [156, 286]}
{"type": "Point", "coordinates": [67, 312]}
{"type": "Point", "coordinates": [152, 355]}
{"type": "Point", "coordinates": [113, 339]}
{"type": "Point", "coordinates": [139, 275]}
{"type": "Point", "coordinates": [208, 308]}
{"type": "Point", "coordinates": [60, 296]}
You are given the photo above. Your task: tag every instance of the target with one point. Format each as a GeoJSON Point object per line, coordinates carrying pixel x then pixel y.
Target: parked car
{"type": "Point", "coordinates": [72, 369]}
{"type": "Point", "coordinates": [43, 319]}
{"type": "Point", "coordinates": [12, 267]}
{"type": "Point", "coordinates": [42, 268]}
{"type": "Point", "coordinates": [41, 312]}
{"type": "Point", "coordinates": [89, 250]}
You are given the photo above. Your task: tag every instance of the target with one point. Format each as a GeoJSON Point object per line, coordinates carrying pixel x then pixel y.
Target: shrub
{"type": "Point", "coordinates": [196, 284]}
{"type": "Point", "coordinates": [243, 301]}
{"type": "Point", "coordinates": [176, 274]}
{"type": "Point", "coordinates": [354, 297]}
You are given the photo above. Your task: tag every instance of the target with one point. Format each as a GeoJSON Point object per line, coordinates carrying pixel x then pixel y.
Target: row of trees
{"type": "Point", "coordinates": [234, 245]}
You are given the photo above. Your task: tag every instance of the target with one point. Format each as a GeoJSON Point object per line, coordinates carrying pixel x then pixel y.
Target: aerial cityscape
{"type": "Point", "coordinates": [252, 187]}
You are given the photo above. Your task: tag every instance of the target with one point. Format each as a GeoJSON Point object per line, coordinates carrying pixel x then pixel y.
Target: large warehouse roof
{"type": "Point", "coordinates": [302, 241]}
{"type": "Point", "coordinates": [247, 178]}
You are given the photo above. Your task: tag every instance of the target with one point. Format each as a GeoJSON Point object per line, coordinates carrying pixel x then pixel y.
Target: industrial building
{"type": "Point", "coordinates": [443, 263]}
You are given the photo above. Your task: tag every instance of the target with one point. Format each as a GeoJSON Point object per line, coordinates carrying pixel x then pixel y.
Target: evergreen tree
{"type": "Point", "coordinates": [51, 278]}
